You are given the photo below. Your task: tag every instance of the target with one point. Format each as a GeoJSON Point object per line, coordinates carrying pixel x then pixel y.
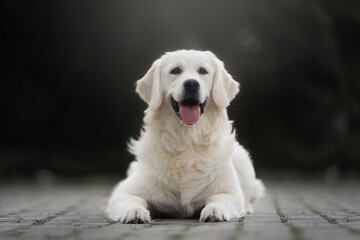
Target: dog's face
{"type": "Point", "coordinates": [185, 81]}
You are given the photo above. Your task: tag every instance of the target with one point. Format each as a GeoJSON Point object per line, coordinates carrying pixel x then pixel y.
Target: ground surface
{"type": "Point", "coordinates": [296, 209]}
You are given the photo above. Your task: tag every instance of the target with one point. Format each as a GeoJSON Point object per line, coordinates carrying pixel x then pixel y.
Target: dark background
{"type": "Point", "coordinates": [68, 69]}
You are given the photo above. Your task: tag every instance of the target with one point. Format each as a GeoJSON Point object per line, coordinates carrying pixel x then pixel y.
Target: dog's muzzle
{"type": "Point", "coordinates": [189, 109]}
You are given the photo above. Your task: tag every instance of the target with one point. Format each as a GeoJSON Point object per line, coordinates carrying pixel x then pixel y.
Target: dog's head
{"type": "Point", "coordinates": [185, 81]}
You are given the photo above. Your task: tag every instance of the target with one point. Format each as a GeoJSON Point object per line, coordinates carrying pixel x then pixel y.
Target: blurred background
{"type": "Point", "coordinates": [68, 69]}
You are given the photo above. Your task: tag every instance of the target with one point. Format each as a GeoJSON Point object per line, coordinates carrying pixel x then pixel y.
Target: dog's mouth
{"type": "Point", "coordinates": [189, 110]}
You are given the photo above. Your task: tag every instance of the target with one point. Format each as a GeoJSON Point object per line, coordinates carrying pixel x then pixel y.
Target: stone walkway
{"type": "Point", "coordinates": [291, 210]}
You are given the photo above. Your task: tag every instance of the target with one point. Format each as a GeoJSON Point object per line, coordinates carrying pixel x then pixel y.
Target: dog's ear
{"type": "Point", "coordinates": [224, 86]}
{"type": "Point", "coordinates": [148, 87]}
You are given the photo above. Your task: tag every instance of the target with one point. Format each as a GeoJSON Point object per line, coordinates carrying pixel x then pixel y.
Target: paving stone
{"type": "Point", "coordinates": [291, 210]}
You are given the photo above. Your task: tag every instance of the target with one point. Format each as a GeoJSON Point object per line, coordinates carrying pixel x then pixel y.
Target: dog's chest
{"type": "Point", "coordinates": [185, 185]}
{"type": "Point", "coordinates": [181, 166]}
{"type": "Point", "coordinates": [189, 174]}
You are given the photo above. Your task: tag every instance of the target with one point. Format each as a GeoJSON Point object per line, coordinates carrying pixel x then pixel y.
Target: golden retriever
{"type": "Point", "coordinates": [188, 162]}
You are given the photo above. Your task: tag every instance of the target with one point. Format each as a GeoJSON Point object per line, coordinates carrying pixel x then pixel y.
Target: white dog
{"type": "Point", "coordinates": [188, 162]}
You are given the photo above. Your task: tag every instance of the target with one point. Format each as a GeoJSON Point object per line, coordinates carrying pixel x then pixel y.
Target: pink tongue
{"type": "Point", "coordinates": [190, 114]}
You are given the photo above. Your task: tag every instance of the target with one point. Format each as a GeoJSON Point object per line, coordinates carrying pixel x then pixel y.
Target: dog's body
{"type": "Point", "coordinates": [188, 161]}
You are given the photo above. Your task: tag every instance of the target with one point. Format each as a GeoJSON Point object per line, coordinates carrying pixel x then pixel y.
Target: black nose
{"type": "Point", "coordinates": [191, 86]}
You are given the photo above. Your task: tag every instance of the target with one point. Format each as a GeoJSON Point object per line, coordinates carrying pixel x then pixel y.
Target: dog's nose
{"type": "Point", "coordinates": [191, 86]}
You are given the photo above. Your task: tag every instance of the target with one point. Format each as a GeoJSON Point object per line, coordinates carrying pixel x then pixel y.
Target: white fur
{"type": "Point", "coordinates": [183, 169]}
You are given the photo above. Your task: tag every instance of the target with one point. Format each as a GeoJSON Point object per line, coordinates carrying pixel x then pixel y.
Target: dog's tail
{"type": "Point", "coordinates": [259, 191]}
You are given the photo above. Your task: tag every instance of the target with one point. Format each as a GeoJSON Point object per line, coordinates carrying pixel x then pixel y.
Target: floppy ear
{"type": "Point", "coordinates": [224, 86]}
{"type": "Point", "coordinates": [148, 87]}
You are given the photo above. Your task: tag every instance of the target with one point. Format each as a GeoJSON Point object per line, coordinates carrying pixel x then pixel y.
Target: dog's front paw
{"type": "Point", "coordinates": [214, 214]}
{"type": "Point", "coordinates": [135, 215]}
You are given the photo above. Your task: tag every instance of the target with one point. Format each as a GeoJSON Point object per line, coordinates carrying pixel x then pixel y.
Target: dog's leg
{"type": "Point", "coordinates": [127, 207]}
{"type": "Point", "coordinates": [223, 207]}
{"type": "Point", "coordinates": [252, 188]}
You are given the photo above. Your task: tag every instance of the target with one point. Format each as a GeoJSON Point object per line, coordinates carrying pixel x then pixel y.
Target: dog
{"type": "Point", "coordinates": [188, 162]}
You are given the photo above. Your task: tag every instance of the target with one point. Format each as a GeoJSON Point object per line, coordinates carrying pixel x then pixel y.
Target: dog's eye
{"type": "Point", "coordinates": [176, 71]}
{"type": "Point", "coordinates": [202, 71]}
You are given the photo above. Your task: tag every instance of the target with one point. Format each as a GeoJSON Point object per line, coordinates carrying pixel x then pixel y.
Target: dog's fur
{"type": "Point", "coordinates": [181, 170]}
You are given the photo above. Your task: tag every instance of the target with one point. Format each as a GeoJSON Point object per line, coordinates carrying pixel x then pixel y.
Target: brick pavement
{"type": "Point", "coordinates": [295, 209]}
